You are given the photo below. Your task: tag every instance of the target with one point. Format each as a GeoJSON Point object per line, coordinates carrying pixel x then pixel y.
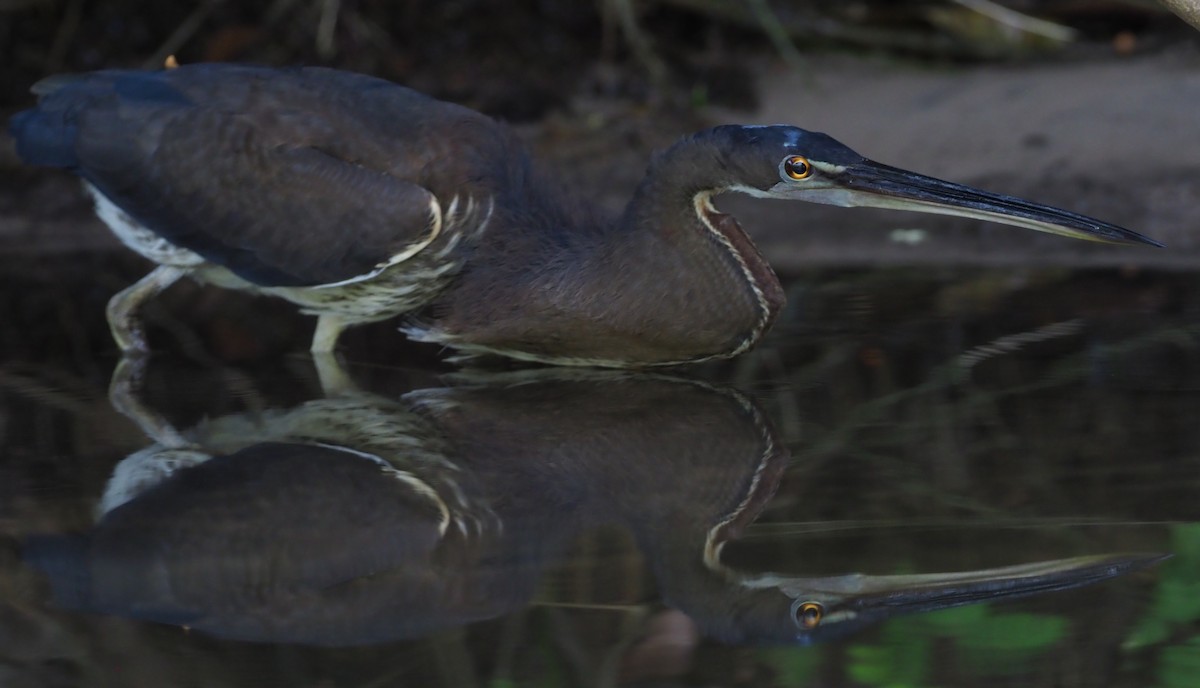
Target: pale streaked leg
{"type": "Point", "coordinates": [124, 320]}
{"type": "Point", "coordinates": [329, 328]}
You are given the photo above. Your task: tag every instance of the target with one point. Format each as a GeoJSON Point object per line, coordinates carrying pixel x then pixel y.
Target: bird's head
{"type": "Point", "coordinates": [791, 163]}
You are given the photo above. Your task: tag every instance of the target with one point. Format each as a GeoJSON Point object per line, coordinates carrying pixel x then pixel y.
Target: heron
{"type": "Point", "coordinates": [360, 200]}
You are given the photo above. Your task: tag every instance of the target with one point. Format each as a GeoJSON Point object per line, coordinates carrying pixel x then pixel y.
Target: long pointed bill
{"type": "Point", "coordinates": [841, 604]}
{"type": "Point", "coordinates": [868, 183]}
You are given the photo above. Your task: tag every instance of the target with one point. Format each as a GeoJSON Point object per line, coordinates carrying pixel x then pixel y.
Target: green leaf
{"type": "Point", "coordinates": [1177, 595]}
{"type": "Point", "coordinates": [1015, 632]}
{"type": "Point", "coordinates": [795, 666]}
{"type": "Point", "coordinates": [901, 660]}
{"type": "Point", "coordinates": [1179, 665]}
{"type": "Point", "coordinates": [869, 664]}
{"type": "Point", "coordinates": [951, 621]}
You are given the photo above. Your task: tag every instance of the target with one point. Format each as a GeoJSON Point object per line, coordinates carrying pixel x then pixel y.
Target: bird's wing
{"type": "Point", "coordinates": [286, 177]}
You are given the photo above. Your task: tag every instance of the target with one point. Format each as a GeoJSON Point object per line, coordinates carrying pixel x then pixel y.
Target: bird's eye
{"type": "Point", "coordinates": [797, 167]}
{"type": "Point", "coordinates": [808, 614]}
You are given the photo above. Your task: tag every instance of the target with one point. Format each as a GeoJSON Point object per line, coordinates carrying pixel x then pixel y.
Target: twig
{"type": "Point", "coordinates": [370, 30]}
{"type": "Point", "coordinates": [1187, 10]}
{"type": "Point", "coordinates": [1014, 342]}
{"type": "Point", "coordinates": [639, 42]}
{"type": "Point", "coordinates": [326, 27]}
{"type": "Point", "coordinates": [184, 33]}
{"type": "Point", "coordinates": [1021, 22]}
{"type": "Point", "coordinates": [777, 34]}
{"type": "Point", "coordinates": [567, 641]}
{"type": "Point", "coordinates": [815, 27]}
{"type": "Point", "coordinates": [64, 36]}
{"type": "Point", "coordinates": [278, 10]}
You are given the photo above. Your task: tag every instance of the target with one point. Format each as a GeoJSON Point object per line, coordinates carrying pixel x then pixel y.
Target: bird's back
{"type": "Point", "coordinates": [287, 177]}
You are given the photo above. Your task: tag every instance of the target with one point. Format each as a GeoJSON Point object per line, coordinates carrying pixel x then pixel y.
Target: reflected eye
{"type": "Point", "coordinates": [808, 614]}
{"type": "Point", "coordinates": [797, 167]}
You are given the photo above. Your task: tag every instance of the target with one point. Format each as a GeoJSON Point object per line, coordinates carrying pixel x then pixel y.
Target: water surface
{"type": "Point", "coordinates": [237, 514]}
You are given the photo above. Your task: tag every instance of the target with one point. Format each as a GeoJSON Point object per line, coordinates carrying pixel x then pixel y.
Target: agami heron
{"type": "Point", "coordinates": [360, 200]}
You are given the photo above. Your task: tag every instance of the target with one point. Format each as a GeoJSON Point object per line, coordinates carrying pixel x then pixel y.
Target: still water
{"type": "Point", "coordinates": [384, 520]}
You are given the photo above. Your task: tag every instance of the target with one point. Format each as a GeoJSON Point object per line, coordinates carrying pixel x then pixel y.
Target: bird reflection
{"type": "Point", "coordinates": [360, 518]}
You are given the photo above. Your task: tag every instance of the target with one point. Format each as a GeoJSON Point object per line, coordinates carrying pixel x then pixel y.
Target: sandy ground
{"type": "Point", "coordinates": [1118, 139]}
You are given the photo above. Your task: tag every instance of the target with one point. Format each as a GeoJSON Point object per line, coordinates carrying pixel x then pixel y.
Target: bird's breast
{"type": "Point", "coordinates": [756, 274]}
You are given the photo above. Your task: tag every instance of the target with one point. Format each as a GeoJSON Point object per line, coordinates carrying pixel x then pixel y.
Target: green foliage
{"type": "Point", "coordinates": [1177, 597]}
{"type": "Point", "coordinates": [794, 666]}
{"type": "Point", "coordinates": [1015, 633]}
{"type": "Point", "coordinates": [1179, 665]}
{"type": "Point", "coordinates": [900, 661]}
{"type": "Point", "coordinates": [1174, 613]}
{"type": "Point", "coordinates": [1003, 641]}
{"type": "Point", "coordinates": [988, 642]}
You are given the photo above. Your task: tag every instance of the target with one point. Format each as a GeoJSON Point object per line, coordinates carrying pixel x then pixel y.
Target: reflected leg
{"type": "Point", "coordinates": [125, 395]}
{"type": "Point", "coordinates": [335, 381]}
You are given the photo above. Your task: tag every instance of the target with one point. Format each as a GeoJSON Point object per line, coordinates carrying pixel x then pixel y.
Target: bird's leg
{"type": "Point", "coordinates": [124, 319]}
{"type": "Point", "coordinates": [329, 328]}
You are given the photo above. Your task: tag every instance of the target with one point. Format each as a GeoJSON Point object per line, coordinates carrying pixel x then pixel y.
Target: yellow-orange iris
{"type": "Point", "coordinates": [809, 614]}
{"type": "Point", "coordinates": [797, 167]}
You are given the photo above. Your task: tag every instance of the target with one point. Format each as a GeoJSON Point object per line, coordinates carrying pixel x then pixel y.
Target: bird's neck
{"type": "Point", "coordinates": [669, 281]}
{"type": "Point", "coordinates": [712, 283]}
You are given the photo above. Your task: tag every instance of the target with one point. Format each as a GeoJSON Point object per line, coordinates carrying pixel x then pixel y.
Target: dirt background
{"type": "Point", "coordinates": [1105, 125]}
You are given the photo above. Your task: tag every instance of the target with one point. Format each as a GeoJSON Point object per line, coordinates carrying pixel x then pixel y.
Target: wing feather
{"type": "Point", "coordinates": [285, 177]}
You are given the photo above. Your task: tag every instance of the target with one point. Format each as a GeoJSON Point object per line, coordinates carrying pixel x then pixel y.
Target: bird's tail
{"type": "Point", "coordinates": [44, 138]}
{"type": "Point", "coordinates": [47, 134]}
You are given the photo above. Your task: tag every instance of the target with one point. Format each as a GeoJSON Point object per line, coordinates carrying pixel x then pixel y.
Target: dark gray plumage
{"type": "Point", "coordinates": [360, 200]}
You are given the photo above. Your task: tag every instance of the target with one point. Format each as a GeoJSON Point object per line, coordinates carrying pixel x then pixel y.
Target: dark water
{"type": "Point", "coordinates": [388, 521]}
